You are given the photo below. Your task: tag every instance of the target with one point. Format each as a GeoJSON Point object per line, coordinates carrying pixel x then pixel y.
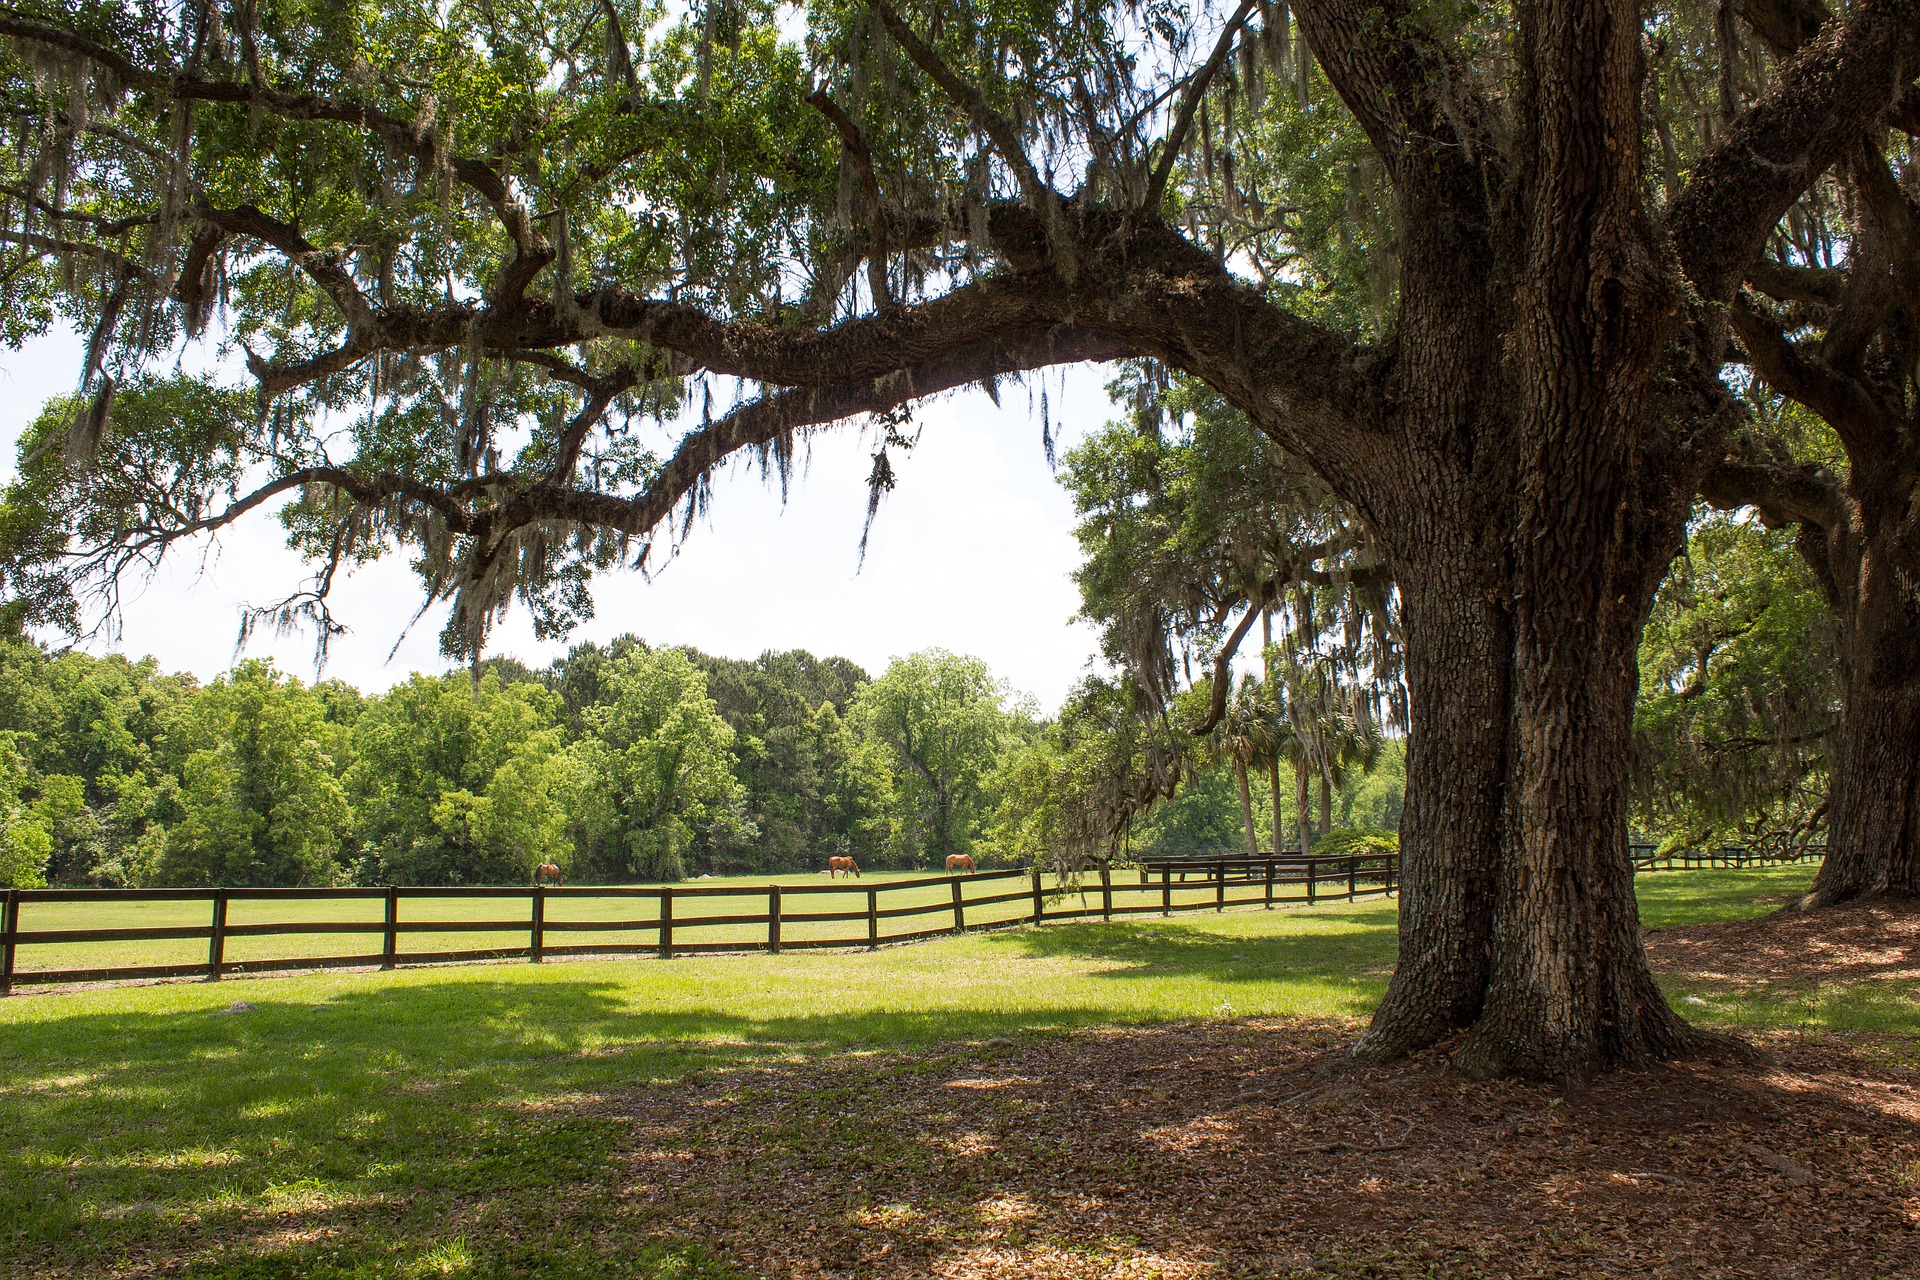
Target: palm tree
{"type": "Point", "coordinates": [1247, 735]}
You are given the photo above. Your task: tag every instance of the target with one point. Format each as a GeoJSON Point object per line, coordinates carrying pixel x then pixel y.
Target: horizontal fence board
{"type": "Point", "coordinates": [608, 926]}
{"type": "Point", "coordinates": [303, 962]}
{"type": "Point", "coordinates": [1024, 895]}
{"type": "Point", "coordinates": [705, 922]}
{"type": "Point", "coordinates": [117, 973]}
{"type": "Point", "coordinates": [605, 949]}
{"type": "Point", "coordinates": [716, 891]}
{"type": "Point", "coordinates": [467, 891]}
{"type": "Point", "coordinates": [460, 926]}
{"type": "Point", "coordinates": [915, 936]}
{"type": "Point", "coordinates": [925, 908]}
{"type": "Point", "coordinates": [611, 891]}
{"type": "Point", "coordinates": [29, 896]}
{"type": "Point", "coordinates": [280, 928]}
{"type": "Point", "coordinates": [280, 894]}
{"type": "Point", "coordinates": [149, 933]}
{"type": "Point", "coordinates": [450, 957]}
{"type": "Point", "coordinates": [821, 917]}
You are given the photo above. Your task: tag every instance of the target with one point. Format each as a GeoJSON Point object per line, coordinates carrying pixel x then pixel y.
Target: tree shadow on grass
{"type": "Point", "coordinates": [203, 1139]}
{"type": "Point", "coordinates": [1348, 945]}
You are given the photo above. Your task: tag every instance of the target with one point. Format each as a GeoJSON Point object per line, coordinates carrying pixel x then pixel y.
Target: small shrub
{"type": "Point", "coordinates": [1357, 842]}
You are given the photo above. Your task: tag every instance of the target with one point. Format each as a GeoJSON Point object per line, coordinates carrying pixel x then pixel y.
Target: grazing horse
{"type": "Point", "coordinates": [847, 865]}
{"type": "Point", "coordinates": [957, 860]}
{"type": "Point", "coordinates": [546, 871]}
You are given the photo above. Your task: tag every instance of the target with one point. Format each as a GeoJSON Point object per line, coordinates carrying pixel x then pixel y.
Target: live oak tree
{"type": "Point", "coordinates": [467, 250]}
{"type": "Point", "coordinates": [1830, 322]}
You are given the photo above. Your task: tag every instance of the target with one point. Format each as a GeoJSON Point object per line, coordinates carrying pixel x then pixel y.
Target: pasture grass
{"type": "Point", "coordinates": [462, 1121]}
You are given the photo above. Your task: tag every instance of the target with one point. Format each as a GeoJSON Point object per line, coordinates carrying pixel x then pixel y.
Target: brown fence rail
{"type": "Point", "coordinates": [1646, 859]}
{"type": "Point", "coordinates": [533, 923]}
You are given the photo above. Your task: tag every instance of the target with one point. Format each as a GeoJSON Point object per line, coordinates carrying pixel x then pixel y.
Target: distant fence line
{"type": "Point", "coordinates": [1233, 882]}
{"type": "Point", "coordinates": [1646, 859]}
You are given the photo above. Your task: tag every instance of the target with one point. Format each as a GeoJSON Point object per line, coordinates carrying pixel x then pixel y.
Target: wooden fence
{"type": "Point", "coordinates": [1646, 859]}
{"type": "Point", "coordinates": [669, 916]}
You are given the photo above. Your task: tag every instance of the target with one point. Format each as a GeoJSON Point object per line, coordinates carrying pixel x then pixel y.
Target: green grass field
{"type": "Point", "coordinates": [441, 1121]}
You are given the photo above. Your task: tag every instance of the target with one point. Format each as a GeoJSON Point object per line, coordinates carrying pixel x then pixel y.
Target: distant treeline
{"type": "Point", "coordinates": [619, 762]}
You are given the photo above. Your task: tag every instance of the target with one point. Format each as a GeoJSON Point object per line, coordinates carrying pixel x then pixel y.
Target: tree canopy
{"type": "Point", "coordinates": [471, 251]}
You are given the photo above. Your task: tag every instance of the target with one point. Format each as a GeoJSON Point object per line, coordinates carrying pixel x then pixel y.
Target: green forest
{"type": "Point", "coordinates": [619, 762]}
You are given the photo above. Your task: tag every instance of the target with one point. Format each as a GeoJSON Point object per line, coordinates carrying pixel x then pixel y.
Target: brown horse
{"type": "Point", "coordinates": [955, 861]}
{"type": "Point", "coordinates": [847, 865]}
{"type": "Point", "coordinates": [544, 872]}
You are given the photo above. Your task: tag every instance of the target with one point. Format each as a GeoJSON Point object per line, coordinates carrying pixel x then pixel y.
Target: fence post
{"type": "Point", "coordinates": [773, 919]}
{"type": "Point", "coordinates": [1039, 903]}
{"type": "Point", "coordinates": [1269, 884]}
{"type": "Point", "coordinates": [959, 907]}
{"type": "Point", "coordinates": [873, 919]}
{"type": "Point", "coordinates": [1311, 869]}
{"type": "Point", "coordinates": [9, 927]}
{"type": "Point", "coordinates": [666, 922]}
{"type": "Point", "coordinates": [1106, 893]}
{"type": "Point", "coordinates": [1220, 886]}
{"type": "Point", "coordinates": [1166, 890]}
{"type": "Point", "coordinates": [390, 944]}
{"type": "Point", "coordinates": [217, 939]}
{"type": "Point", "coordinates": [1353, 878]}
{"type": "Point", "coordinates": [537, 935]}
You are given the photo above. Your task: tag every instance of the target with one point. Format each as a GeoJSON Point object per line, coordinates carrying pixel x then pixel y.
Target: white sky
{"type": "Point", "coordinates": [973, 551]}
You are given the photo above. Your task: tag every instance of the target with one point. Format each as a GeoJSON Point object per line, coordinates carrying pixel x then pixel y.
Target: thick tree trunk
{"type": "Point", "coordinates": [1326, 805]}
{"type": "Point", "coordinates": [1459, 648]}
{"type": "Point", "coordinates": [1246, 808]}
{"type": "Point", "coordinates": [1874, 801]}
{"type": "Point", "coordinates": [1599, 512]}
{"type": "Point", "coordinates": [1570, 990]}
{"type": "Point", "coordinates": [1874, 810]}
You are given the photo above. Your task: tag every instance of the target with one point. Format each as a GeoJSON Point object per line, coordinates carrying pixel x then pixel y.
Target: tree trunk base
{"type": "Point", "coordinates": [1492, 1047]}
{"type": "Point", "coordinates": [1819, 899]}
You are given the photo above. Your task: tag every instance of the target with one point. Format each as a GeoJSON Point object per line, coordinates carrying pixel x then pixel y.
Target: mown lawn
{"type": "Point", "coordinates": [454, 1121]}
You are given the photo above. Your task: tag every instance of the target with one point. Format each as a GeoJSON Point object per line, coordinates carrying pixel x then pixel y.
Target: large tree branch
{"type": "Point", "coordinates": [1197, 86]}
{"type": "Point", "coordinates": [1899, 221]}
{"type": "Point", "coordinates": [998, 129]}
{"type": "Point", "coordinates": [1840, 400]}
{"type": "Point", "coordinates": [1390, 70]}
{"type": "Point", "coordinates": [1783, 282]}
{"type": "Point", "coordinates": [854, 142]}
{"type": "Point", "coordinates": [1783, 492]}
{"type": "Point", "coordinates": [1819, 105]}
{"type": "Point", "coordinates": [322, 266]}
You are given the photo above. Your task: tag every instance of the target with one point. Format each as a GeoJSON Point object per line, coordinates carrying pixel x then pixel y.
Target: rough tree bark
{"type": "Point", "coordinates": [1874, 803]}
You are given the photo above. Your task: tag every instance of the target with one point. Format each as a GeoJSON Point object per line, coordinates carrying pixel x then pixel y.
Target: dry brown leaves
{"type": "Point", "coordinates": [1252, 1148]}
{"type": "Point", "coordinates": [1870, 941]}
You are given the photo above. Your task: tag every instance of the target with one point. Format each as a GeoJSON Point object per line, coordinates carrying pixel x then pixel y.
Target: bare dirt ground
{"type": "Point", "coordinates": [1250, 1148]}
